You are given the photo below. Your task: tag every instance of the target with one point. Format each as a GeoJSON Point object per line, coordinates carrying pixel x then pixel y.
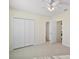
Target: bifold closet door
{"type": "Point", "coordinates": [29, 32]}
{"type": "Point", "coordinates": [18, 30]}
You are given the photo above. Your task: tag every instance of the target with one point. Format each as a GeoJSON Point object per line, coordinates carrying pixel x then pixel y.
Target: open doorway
{"type": "Point", "coordinates": [59, 31]}
{"type": "Point", "coordinates": [47, 32]}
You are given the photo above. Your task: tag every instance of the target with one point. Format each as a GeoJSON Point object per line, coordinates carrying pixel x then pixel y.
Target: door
{"type": "Point", "coordinates": [18, 33]}
{"type": "Point", "coordinates": [47, 31]}
{"type": "Point", "coordinates": [29, 32]}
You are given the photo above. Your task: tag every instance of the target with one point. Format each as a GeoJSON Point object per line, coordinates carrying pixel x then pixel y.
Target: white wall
{"type": "Point", "coordinates": [52, 30]}
{"type": "Point", "coordinates": [65, 17]}
{"type": "Point", "coordinates": [66, 29]}
{"type": "Point", "coordinates": [40, 24]}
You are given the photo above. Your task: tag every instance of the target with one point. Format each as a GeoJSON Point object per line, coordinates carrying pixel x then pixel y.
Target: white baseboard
{"type": "Point", "coordinates": [65, 44]}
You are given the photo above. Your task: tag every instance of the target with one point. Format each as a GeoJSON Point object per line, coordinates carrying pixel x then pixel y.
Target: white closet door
{"type": "Point", "coordinates": [18, 33]}
{"type": "Point", "coordinates": [29, 32]}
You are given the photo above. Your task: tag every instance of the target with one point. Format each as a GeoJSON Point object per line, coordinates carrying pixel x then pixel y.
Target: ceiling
{"type": "Point", "coordinates": [37, 6]}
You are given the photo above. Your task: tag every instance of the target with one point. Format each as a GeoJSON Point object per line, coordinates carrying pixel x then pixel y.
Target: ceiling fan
{"type": "Point", "coordinates": [51, 4]}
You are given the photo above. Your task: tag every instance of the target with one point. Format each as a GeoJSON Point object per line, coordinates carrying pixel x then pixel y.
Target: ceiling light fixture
{"type": "Point", "coordinates": [52, 4]}
{"type": "Point", "coordinates": [51, 9]}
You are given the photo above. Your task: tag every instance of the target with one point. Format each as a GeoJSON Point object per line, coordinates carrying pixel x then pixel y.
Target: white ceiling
{"type": "Point", "coordinates": [37, 6]}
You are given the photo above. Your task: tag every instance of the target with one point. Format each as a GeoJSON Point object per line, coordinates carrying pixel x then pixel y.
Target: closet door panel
{"type": "Point", "coordinates": [26, 32]}
{"type": "Point", "coordinates": [18, 33]}
{"type": "Point", "coordinates": [29, 32]}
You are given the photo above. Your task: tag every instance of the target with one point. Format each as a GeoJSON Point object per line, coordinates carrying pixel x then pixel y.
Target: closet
{"type": "Point", "coordinates": [23, 32]}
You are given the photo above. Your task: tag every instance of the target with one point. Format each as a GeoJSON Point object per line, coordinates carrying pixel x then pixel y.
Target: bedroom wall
{"type": "Point", "coordinates": [66, 29]}
{"type": "Point", "coordinates": [39, 20]}
{"type": "Point", "coordinates": [52, 30]}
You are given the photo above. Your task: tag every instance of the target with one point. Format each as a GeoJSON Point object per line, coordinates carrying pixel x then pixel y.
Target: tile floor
{"type": "Point", "coordinates": [39, 50]}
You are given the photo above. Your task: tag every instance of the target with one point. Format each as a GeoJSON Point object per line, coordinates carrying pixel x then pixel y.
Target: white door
{"type": "Point", "coordinates": [29, 32]}
{"type": "Point", "coordinates": [18, 33]}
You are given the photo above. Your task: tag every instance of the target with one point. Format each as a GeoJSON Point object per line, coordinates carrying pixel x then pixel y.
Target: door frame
{"type": "Point", "coordinates": [61, 31]}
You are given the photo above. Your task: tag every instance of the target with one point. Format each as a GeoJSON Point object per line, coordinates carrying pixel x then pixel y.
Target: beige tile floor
{"type": "Point", "coordinates": [40, 50]}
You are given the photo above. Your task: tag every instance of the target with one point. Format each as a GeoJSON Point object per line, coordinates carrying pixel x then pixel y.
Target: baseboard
{"type": "Point", "coordinates": [66, 44]}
